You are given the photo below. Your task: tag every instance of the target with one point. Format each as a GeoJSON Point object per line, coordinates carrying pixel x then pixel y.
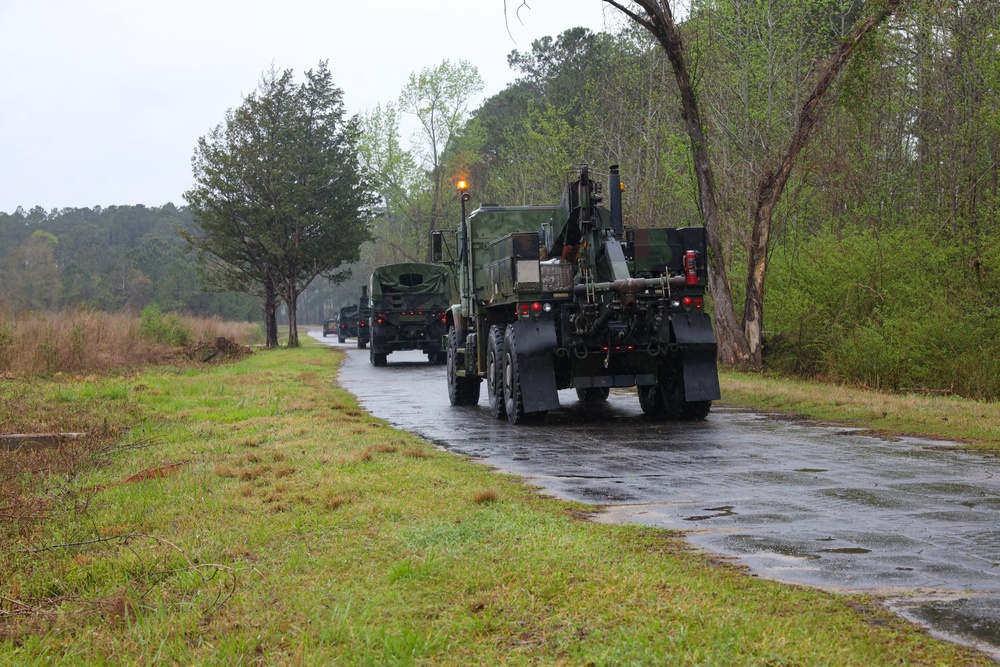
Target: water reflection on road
{"type": "Point", "coordinates": [810, 504]}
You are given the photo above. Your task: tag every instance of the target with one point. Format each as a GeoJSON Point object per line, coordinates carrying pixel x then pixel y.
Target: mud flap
{"type": "Point", "coordinates": [535, 342]}
{"type": "Point", "coordinates": [693, 333]}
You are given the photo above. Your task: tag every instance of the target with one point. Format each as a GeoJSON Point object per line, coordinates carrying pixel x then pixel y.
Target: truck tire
{"type": "Point", "coordinates": [378, 360]}
{"type": "Point", "coordinates": [341, 339]}
{"type": "Point", "coordinates": [461, 390]}
{"type": "Point", "coordinates": [494, 372]}
{"type": "Point", "coordinates": [649, 401]}
{"type": "Point", "coordinates": [675, 406]}
{"type": "Point", "coordinates": [593, 394]}
{"type": "Point", "coordinates": [362, 344]}
{"type": "Point", "coordinates": [513, 401]}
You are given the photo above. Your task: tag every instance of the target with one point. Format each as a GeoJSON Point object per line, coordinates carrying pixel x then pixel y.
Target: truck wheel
{"type": "Point", "coordinates": [593, 394]}
{"type": "Point", "coordinates": [362, 344]}
{"type": "Point", "coordinates": [494, 372]}
{"type": "Point", "coordinates": [649, 401]}
{"type": "Point", "coordinates": [340, 339]}
{"type": "Point", "coordinates": [461, 390]}
{"type": "Point", "coordinates": [378, 360]}
{"type": "Point", "coordinates": [697, 409]}
{"type": "Point", "coordinates": [674, 404]}
{"type": "Point", "coordinates": [512, 399]}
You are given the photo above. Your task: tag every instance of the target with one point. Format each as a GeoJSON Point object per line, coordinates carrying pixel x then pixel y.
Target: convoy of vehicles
{"type": "Point", "coordinates": [562, 296]}
{"type": "Point", "coordinates": [552, 297]}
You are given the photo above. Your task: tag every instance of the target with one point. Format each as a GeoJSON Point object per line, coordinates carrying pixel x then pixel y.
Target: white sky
{"type": "Point", "coordinates": [103, 101]}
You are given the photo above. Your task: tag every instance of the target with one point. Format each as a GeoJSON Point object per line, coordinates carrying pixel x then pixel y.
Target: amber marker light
{"type": "Point", "coordinates": [463, 186]}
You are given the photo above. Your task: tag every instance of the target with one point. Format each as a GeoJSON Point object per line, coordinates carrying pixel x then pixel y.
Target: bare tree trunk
{"type": "Point", "coordinates": [772, 184]}
{"type": "Point", "coordinates": [659, 21]}
{"type": "Point", "coordinates": [270, 315]}
{"type": "Point", "coordinates": [292, 301]}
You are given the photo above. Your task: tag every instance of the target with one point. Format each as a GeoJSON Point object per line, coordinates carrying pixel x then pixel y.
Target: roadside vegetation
{"type": "Point", "coordinates": [86, 341]}
{"type": "Point", "coordinates": [975, 423]}
{"type": "Point", "coordinates": [251, 513]}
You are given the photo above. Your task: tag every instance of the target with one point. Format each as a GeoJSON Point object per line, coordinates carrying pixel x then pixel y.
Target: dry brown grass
{"type": "Point", "coordinates": [485, 496]}
{"type": "Point", "coordinates": [83, 342]}
{"type": "Point", "coordinates": [335, 501]}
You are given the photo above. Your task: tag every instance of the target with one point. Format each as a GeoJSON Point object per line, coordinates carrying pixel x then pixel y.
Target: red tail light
{"type": "Point", "coordinates": [691, 267]}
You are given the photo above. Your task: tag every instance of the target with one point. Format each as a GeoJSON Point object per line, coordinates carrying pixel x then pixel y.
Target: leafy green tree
{"type": "Point", "coordinates": [279, 197]}
{"type": "Point", "coordinates": [439, 99]}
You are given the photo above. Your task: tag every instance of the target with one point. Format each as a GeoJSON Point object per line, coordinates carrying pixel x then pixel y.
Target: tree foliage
{"type": "Point", "coordinates": [112, 259]}
{"type": "Point", "coordinates": [279, 196]}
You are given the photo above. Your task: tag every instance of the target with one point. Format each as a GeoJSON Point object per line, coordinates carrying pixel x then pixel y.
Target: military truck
{"type": "Point", "coordinates": [563, 296]}
{"type": "Point", "coordinates": [348, 323]}
{"type": "Point", "coordinates": [409, 303]}
{"type": "Point", "coordinates": [364, 319]}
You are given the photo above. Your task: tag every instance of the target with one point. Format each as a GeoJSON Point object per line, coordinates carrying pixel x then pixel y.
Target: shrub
{"type": "Point", "coordinates": [885, 310]}
{"type": "Point", "coordinates": [166, 329]}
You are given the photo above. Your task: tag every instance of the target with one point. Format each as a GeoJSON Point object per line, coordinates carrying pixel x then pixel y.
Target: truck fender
{"type": "Point", "coordinates": [456, 319]}
{"type": "Point", "coordinates": [536, 341]}
{"type": "Point", "coordinates": [694, 336]}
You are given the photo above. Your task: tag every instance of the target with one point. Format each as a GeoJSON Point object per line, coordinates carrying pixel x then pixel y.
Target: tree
{"type": "Point", "coordinates": [659, 21]}
{"type": "Point", "coordinates": [279, 196]}
{"type": "Point", "coordinates": [744, 347]}
{"type": "Point", "coordinates": [439, 98]}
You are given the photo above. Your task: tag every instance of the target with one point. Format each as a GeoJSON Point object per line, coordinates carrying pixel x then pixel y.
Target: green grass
{"type": "Point", "coordinates": [975, 423]}
{"type": "Point", "coordinates": [263, 518]}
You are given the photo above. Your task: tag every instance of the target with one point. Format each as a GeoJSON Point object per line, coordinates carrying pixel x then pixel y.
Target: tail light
{"type": "Point", "coordinates": [691, 267]}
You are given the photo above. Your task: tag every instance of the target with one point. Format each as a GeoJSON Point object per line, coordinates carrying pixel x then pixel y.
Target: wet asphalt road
{"type": "Point", "coordinates": [808, 504]}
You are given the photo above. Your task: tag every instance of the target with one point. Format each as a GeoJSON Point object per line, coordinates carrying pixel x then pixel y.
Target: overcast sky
{"type": "Point", "coordinates": [102, 101]}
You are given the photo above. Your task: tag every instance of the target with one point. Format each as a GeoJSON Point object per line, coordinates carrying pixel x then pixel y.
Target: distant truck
{"type": "Point", "coordinates": [348, 323]}
{"type": "Point", "coordinates": [408, 304]}
{"type": "Point", "coordinates": [364, 319]}
{"type": "Point", "coordinates": [329, 327]}
{"type": "Point", "coordinates": [564, 296]}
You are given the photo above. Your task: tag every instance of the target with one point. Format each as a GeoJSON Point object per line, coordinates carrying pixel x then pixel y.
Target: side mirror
{"type": "Point", "coordinates": [437, 242]}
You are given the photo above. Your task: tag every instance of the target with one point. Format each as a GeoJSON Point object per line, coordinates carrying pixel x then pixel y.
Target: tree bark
{"type": "Point", "coordinates": [292, 301]}
{"type": "Point", "coordinates": [270, 314]}
{"type": "Point", "coordinates": [772, 184]}
{"type": "Point", "coordinates": [733, 349]}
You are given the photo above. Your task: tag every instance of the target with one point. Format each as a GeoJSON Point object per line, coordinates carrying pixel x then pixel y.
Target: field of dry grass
{"type": "Point", "coordinates": [85, 342]}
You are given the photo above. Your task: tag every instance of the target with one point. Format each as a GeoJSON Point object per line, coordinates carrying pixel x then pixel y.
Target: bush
{"type": "Point", "coordinates": [893, 310]}
{"type": "Point", "coordinates": [166, 329]}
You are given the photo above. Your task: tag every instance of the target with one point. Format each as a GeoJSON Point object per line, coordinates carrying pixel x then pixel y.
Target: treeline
{"type": "Point", "coordinates": [120, 258]}
{"type": "Point", "coordinates": [883, 266]}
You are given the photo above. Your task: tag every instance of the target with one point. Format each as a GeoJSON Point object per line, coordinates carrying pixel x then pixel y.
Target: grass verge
{"type": "Point", "coordinates": [255, 515]}
{"type": "Point", "coordinates": [974, 423]}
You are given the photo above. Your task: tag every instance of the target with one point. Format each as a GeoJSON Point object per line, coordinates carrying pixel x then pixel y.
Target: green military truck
{"type": "Point", "coordinates": [408, 304]}
{"type": "Point", "coordinates": [364, 319]}
{"type": "Point", "coordinates": [348, 327]}
{"type": "Point", "coordinates": [563, 296]}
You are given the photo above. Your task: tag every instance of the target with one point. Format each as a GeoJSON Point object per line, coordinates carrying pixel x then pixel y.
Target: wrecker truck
{"type": "Point", "coordinates": [564, 296]}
